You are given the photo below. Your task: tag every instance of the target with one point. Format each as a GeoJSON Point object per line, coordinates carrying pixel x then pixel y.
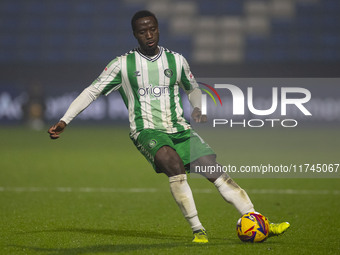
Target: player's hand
{"type": "Point", "coordinates": [57, 129]}
{"type": "Point", "coordinates": [197, 115]}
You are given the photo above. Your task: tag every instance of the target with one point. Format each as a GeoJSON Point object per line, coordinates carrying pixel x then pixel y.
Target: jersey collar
{"type": "Point", "coordinates": [152, 58]}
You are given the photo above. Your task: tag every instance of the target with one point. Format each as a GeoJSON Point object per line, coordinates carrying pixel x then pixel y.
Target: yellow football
{"type": "Point", "coordinates": [252, 227]}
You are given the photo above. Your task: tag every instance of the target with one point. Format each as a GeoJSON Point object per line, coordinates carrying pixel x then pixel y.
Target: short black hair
{"type": "Point", "coordinates": [139, 15]}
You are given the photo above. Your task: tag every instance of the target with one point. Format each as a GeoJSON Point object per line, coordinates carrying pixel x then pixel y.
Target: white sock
{"type": "Point", "coordinates": [232, 193]}
{"type": "Point", "coordinates": [182, 194]}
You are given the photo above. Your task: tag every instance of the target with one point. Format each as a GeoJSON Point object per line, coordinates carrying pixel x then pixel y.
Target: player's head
{"type": "Point", "coordinates": [139, 15]}
{"type": "Point", "coordinates": [145, 29]}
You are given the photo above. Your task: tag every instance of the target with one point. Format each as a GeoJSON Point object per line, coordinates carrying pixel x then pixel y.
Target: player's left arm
{"type": "Point", "coordinates": [191, 88]}
{"type": "Point", "coordinates": [195, 98]}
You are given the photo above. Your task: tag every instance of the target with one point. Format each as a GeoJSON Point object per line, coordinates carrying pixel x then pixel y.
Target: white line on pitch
{"type": "Point", "coordinates": [154, 190]}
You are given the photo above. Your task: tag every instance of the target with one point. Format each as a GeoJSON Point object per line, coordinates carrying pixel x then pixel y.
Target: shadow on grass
{"type": "Point", "coordinates": [113, 232]}
{"type": "Point", "coordinates": [173, 241]}
{"type": "Point", "coordinates": [119, 232]}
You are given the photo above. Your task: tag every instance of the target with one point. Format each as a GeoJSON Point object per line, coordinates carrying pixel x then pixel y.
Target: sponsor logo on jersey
{"type": "Point", "coordinates": [154, 91]}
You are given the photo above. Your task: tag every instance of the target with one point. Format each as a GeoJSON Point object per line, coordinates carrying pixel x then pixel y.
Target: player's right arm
{"type": "Point", "coordinates": [109, 80]}
{"type": "Point", "coordinates": [88, 95]}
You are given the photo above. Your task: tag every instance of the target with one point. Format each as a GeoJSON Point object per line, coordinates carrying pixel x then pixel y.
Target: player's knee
{"type": "Point", "coordinates": [208, 160]}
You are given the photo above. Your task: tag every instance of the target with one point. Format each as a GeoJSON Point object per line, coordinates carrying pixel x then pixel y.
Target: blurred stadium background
{"type": "Point", "coordinates": [52, 49]}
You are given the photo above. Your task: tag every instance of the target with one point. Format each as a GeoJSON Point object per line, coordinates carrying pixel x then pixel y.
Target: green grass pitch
{"type": "Point", "coordinates": [91, 192]}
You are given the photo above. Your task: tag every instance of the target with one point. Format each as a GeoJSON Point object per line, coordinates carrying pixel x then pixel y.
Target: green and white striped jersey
{"type": "Point", "coordinates": [149, 87]}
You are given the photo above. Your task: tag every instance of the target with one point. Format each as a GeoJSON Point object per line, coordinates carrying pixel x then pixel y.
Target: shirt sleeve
{"type": "Point", "coordinates": [187, 81]}
{"type": "Point", "coordinates": [110, 79]}
{"type": "Point", "coordinates": [85, 98]}
{"type": "Point", "coordinates": [195, 98]}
